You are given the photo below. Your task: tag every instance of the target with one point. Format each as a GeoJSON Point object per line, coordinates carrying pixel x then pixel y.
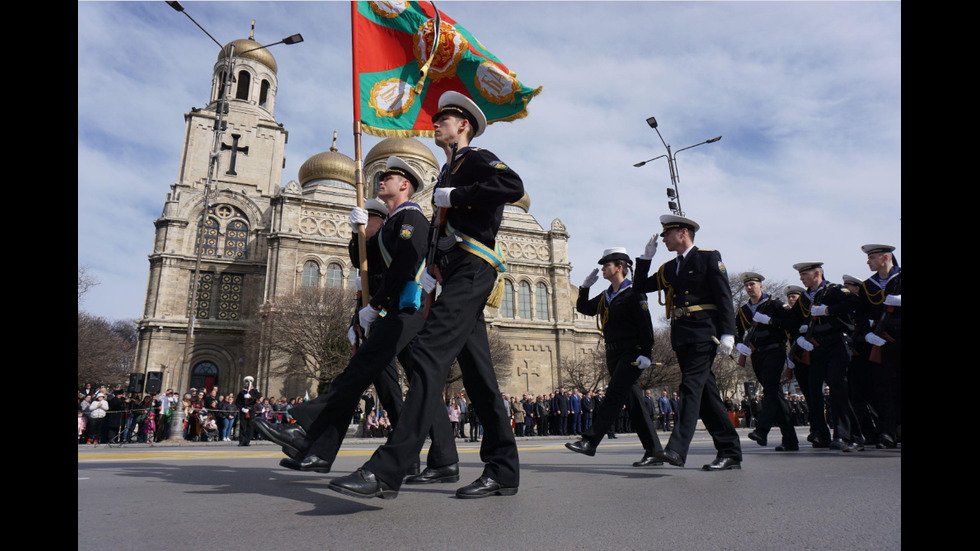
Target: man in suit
{"type": "Point", "coordinates": [666, 411]}
{"type": "Point", "coordinates": [699, 304]}
{"type": "Point", "coordinates": [469, 260]}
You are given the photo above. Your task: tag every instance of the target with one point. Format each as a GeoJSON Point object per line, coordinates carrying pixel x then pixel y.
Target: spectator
{"type": "Point", "coordinates": [97, 413]}
{"type": "Point", "coordinates": [81, 426]}
{"type": "Point", "coordinates": [384, 425]}
{"type": "Point", "coordinates": [454, 411]}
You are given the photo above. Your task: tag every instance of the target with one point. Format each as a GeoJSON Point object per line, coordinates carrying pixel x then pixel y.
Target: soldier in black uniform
{"type": "Point", "coordinates": [859, 373]}
{"type": "Point", "coordinates": [246, 400]}
{"type": "Point", "coordinates": [699, 304]}
{"type": "Point", "coordinates": [469, 261]}
{"type": "Point", "coordinates": [765, 343]}
{"type": "Point", "coordinates": [315, 439]}
{"type": "Point", "coordinates": [624, 319]}
{"type": "Point", "coordinates": [825, 309]}
{"type": "Point", "coordinates": [880, 321]}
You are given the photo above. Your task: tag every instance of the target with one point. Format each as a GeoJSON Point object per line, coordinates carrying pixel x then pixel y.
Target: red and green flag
{"type": "Point", "coordinates": [392, 44]}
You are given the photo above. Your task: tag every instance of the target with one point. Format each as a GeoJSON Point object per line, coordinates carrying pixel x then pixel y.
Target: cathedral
{"type": "Point", "coordinates": [232, 238]}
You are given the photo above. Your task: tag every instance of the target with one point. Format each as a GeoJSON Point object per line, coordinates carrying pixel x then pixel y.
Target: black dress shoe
{"type": "Point", "coordinates": [788, 448]}
{"type": "Point", "coordinates": [310, 463]}
{"type": "Point", "coordinates": [291, 437]}
{"type": "Point", "coordinates": [885, 442]}
{"type": "Point", "coordinates": [855, 446]}
{"type": "Point", "coordinates": [448, 473]}
{"type": "Point", "coordinates": [838, 445]}
{"type": "Point", "coordinates": [723, 464]}
{"type": "Point", "coordinates": [817, 443]}
{"type": "Point", "coordinates": [583, 447]}
{"type": "Point", "coordinates": [483, 487]}
{"type": "Point", "coordinates": [649, 460]}
{"type": "Point", "coordinates": [759, 439]}
{"type": "Point", "coordinates": [362, 483]}
{"type": "Point", "coordinates": [672, 457]}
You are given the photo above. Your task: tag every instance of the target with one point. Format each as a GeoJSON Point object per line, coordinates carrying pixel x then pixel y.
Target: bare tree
{"type": "Point", "coordinates": [105, 350]}
{"type": "Point", "coordinates": [587, 372]}
{"type": "Point", "coordinates": [665, 372]}
{"type": "Point", "coordinates": [85, 282]}
{"type": "Point", "coordinates": [304, 333]}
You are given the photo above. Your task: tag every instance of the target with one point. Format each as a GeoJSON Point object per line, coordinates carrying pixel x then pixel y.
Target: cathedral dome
{"type": "Point", "coordinates": [327, 165]}
{"type": "Point", "coordinates": [401, 147]}
{"type": "Point", "coordinates": [253, 50]}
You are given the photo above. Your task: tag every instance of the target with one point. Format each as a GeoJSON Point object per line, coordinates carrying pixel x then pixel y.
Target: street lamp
{"type": "Point", "coordinates": [674, 197]}
{"type": "Point", "coordinates": [221, 109]}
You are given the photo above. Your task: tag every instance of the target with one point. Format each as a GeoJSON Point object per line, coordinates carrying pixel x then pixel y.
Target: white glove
{"type": "Point", "coordinates": [244, 410]}
{"type": "Point", "coordinates": [642, 362]}
{"type": "Point", "coordinates": [428, 282]}
{"type": "Point", "coordinates": [743, 349]}
{"type": "Point", "coordinates": [874, 340]}
{"type": "Point", "coordinates": [358, 216]}
{"type": "Point", "coordinates": [893, 300]}
{"type": "Point", "coordinates": [366, 317]}
{"type": "Point", "coordinates": [759, 317]}
{"type": "Point", "coordinates": [726, 344]}
{"type": "Point", "coordinates": [440, 197]}
{"type": "Point", "coordinates": [591, 278]}
{"type": "Point", "coordinates": [650, 249]}
{"type": "Point", "coordinates": [804, 344]}
{"type": "Point", "coordinates": [818, 310]}
{"type": "Point", "coordinates": [803, 328]}
{"type": "Point", "coordinates": [351, 336]}
{"type": "Point", "coordinates": [790, 364]}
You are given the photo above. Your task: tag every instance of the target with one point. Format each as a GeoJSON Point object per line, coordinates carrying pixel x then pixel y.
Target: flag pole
{"type": "Point", "coordinates": [358, 164]}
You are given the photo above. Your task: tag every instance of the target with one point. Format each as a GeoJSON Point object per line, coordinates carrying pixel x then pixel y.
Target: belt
{"type": "Point", "coordinates": [681, 311]}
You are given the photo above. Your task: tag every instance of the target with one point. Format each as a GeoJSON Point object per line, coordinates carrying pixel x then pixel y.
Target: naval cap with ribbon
{"type": "Point", "coordinates": [673, 221]}
{"type": "Point", "coordinates": [454, 102]}
{"type": "Point", "coordinates": [794, 290]}
{"type": "Point", "coordinates": [615, 253]}
{"type": "Point", "coordinates": [395, 165]}
{"type": "Point", "coordinates": [376, 207]}
{"type": "Point", "coordinates": [804, 266]}
{"type": "Point", "coordinates": [752, 276]}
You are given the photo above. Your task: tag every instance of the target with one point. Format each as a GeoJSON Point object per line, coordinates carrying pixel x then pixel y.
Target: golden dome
{"type": "Point", "coordinates": [401, 147]}
{"type": "Point", "coordinates": [252, 50]}
{"type": "Point", "coordinates": [329, 164]}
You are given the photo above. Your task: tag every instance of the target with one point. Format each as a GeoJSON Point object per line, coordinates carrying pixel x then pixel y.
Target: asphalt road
{"type": "Point", "coordinates": [220, 496]}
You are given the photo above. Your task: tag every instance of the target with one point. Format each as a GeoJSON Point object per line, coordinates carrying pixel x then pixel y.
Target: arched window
{"type": "Point", "coordinates": [335, 275]}
{"type": "Point", "coordinates": [230, 293]}
{"type": "Point", "coordinates": [507, 304]}
{"type": "Point", "coordinates": [244, 82]}
{"type": "Point", "coordinates": [209, 237]}
{"type": "Point", "coordinates": [264, 93]}
{"type": "Point", "coordinates": [236, 237]}
{"type": "Point", "coordinates": [311, 274]}
{"type": "Point", "coordinates": [204, 376]}
{"type": "Point", "coordinates": [524, 300]}
{"type": "Point", "coordinates": [541, 302]}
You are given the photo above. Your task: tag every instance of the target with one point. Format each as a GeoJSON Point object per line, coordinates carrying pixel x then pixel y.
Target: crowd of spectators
{"type": "Point", "coordinates": [211, 416]}
{"type": "Point", "coordinates": [208, 415]}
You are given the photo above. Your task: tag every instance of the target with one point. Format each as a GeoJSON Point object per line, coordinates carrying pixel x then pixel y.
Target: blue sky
{"type": "Point", "coordinates": [807, 97]}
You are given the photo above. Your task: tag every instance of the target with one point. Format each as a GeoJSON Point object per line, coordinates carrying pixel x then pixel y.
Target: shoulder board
{"type": "Point", "coordinates": [706, 250]}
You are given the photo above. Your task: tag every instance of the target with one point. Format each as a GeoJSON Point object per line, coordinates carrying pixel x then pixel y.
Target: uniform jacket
{"type": "Point", "coordinates": [625, 319]}
{"type": "Point", "coordinates": [764, 334]}
{"type": "Point", "coordinates": [702, 280]}
{"type": "Point", "coordinates": [483, 185]}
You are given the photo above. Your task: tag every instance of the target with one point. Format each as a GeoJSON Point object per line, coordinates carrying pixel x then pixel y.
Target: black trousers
{"type": "Point", "coordinates": [887, 380]}
{"type": "Point", "coordinates": [623, 389]}
{"type": "Point", "coordinates": [699, 397]}
{"type": "Point", "coordinates": [829, 361]}
{"type": "Point", "coordinates": [455, 329]}
{"type": "Point", "coordinates": [327, 417]}
{"type": "Point", "coordinates": [245, 428]}
{"type": "Point", "coordinates": [768, 367]}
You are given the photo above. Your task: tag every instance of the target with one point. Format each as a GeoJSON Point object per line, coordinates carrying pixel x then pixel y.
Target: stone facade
{"type": "Point", "coordinates": [262, 239]}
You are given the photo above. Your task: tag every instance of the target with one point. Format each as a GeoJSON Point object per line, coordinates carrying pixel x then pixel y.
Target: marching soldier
{"type": "Point", "coordinates": [880, 319]}
{"type": "Point", "coordinates": [765, 343]}
{"type": "Point", "coordinates": [469, 261]}
{"type": "Point", "coordinates": [823, 313]}
{"type": "Point", "coordinates": [859, 373]}
{"type": "Point", "coordinates": [315, 439]}
{"type": "Point", "coordinates": [702, 324]}
{"type": "Point", "coordinates": [624, 318]}
{"type": "Point", "coordinates": [246, 400]}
